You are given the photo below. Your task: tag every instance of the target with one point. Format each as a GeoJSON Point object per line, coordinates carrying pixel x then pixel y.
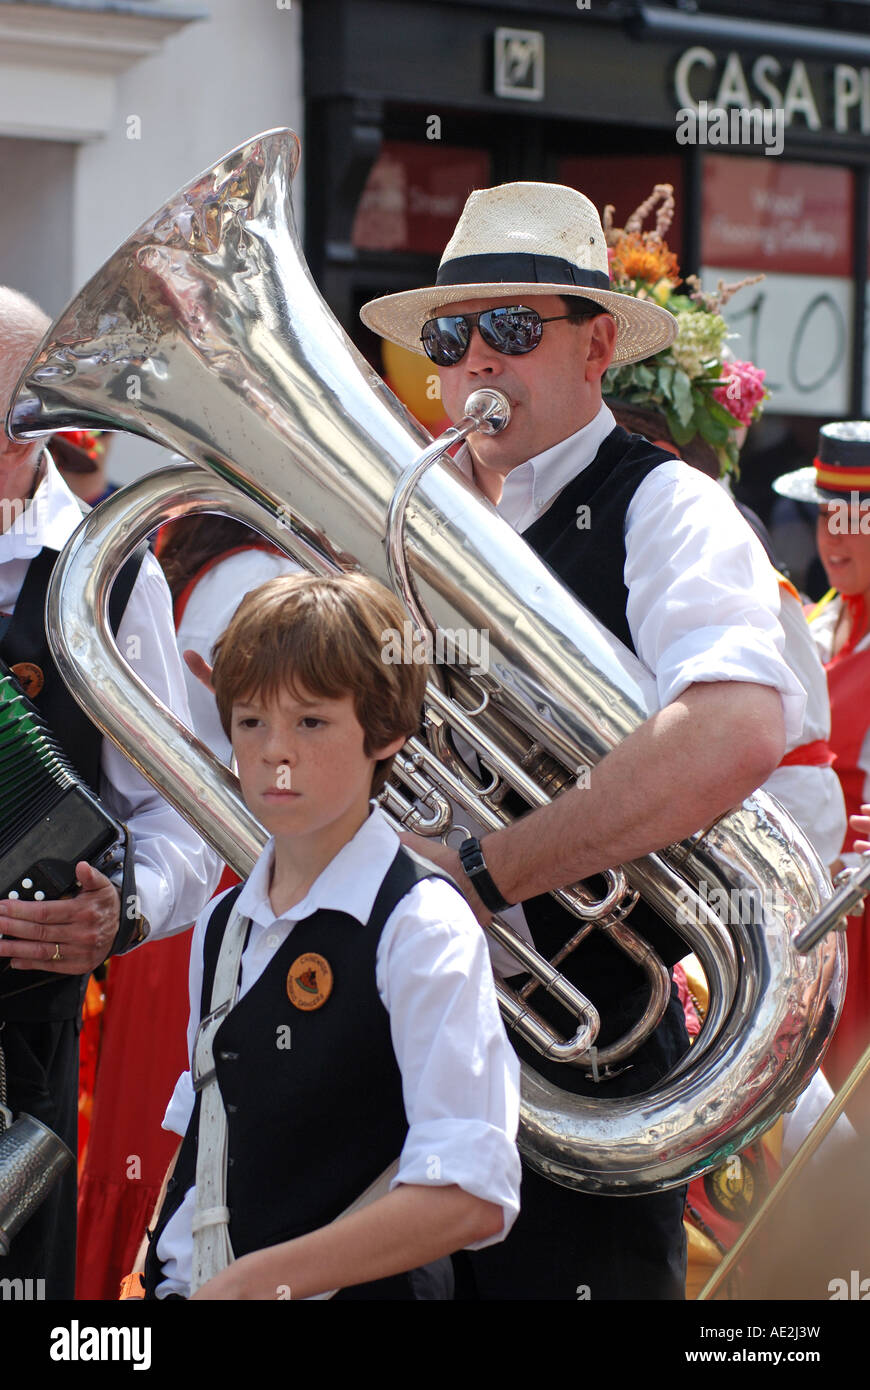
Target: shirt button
{"type": "Point", "coordinates": [273, 940]}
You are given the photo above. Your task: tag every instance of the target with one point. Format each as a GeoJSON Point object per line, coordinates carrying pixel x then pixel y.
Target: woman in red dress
{"type": "Point", "coordinates": [839, 481]}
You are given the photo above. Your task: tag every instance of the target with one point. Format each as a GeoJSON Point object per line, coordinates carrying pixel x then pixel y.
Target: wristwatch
{"type": "Point", "coordinates": [474, 864]}
{"type": "Point", "coordinates": [141, 931]}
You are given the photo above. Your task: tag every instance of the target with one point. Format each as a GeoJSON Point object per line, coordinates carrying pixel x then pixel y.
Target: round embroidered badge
{"type": "Point", "coordinates": [309, 981]}
{"type": "Point", "coordinates": [29, 677]}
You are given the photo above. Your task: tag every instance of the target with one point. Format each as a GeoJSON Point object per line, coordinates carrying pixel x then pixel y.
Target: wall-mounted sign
{"type": "Point", "coordinates": [836, 96]}
{"type": "Point", "coordinates": [777, 215]}
{"type": "Point", "coordinates": [519, 64]}
{"type": "Point", "coordinates": [414, 195]}
{"type": "Point", "coordinates": [793, 222]}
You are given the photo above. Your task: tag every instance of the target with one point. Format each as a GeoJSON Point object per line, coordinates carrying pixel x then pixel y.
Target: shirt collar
{"type": "Point", "coordinates": [48, 520]}
{"type": "Point", "coordinates": [349, 883]}
{"type": "Point", "coordinates": [541, 478]}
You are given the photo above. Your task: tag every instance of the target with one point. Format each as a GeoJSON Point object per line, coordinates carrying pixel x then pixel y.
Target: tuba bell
{"type": "Point", "coordinates": [205, 333]}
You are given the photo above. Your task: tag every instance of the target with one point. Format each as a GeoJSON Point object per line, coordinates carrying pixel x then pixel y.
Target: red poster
{"type": "Point", "coordinates": [414, 195]}
{"type": "Point", "coordinates": [776, 215]}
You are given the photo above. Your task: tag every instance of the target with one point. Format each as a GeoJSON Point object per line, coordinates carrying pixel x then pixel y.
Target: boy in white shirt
{"type": "Point", "coordinates": [366, 1026]}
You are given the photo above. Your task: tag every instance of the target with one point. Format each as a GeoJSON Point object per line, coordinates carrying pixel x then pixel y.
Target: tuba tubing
{"type": "Point", "coordinates": [206, 334]}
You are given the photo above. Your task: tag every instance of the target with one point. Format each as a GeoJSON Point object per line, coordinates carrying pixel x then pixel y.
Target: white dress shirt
{"type": "Point", "coordinates": [211, 605]}
{"type": "Point", "coordinates": [175, 870]}
{"type": "Point", "coordinates": [459, 1073]}
{"type": "Point", "coordinates": [702, 606]}
{"type": "Point", "coordinates": [703, 600]}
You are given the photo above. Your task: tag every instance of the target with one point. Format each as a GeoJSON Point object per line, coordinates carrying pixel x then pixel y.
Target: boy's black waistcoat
{"type": "Point", "coordinates": [312, 1124]}
{"type": "Point", "coordinates": [586, 550]}
{"type": "Point", "coordinates": [33, 994]}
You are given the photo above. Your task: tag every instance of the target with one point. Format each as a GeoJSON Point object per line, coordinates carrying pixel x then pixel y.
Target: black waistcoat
{"type": "Point", "coordinates": [586, 550]}
{"type": "Point", "coordinates": [311, 1125]}
{"type": "Point", "coordinates": [34, 994]}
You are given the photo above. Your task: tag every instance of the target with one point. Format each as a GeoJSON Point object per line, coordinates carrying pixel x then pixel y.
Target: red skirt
{"type": "Point", "coordinates": [853, 1030]}
{"type": "Point", "coordinates": [142, 1053]}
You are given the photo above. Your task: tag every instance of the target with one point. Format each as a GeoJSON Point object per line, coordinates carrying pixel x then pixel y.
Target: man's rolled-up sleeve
{"type": "Point", "coordinates": [460, 1077]}
{"type": "Point", "coordinates": [703, 598]}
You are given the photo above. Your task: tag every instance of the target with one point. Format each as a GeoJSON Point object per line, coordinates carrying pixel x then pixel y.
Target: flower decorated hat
{"type": "Point", "coordinates": [695, 383]}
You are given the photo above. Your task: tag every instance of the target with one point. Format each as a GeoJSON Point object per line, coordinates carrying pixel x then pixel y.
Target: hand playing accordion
{"type": "Point", "coordinates": [59, 912]}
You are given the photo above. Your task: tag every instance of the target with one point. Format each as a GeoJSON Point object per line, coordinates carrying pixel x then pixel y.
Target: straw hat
{"type": "Point", "coordinates": [524, 239]}
{"type": "Point", "coordinates": [841, 466]}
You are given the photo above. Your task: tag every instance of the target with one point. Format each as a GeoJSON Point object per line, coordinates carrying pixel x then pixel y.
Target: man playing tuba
{"type": "Point", "coordinates": [522, 303]}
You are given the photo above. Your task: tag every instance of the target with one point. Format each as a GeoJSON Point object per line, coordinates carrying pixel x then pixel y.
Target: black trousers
{"type": "Point", "coordinates": [42, 1065]}
{"type": "Point", "coordinates": [568, 1245]}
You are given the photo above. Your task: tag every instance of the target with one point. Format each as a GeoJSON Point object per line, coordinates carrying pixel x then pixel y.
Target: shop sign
{"type": "Point", "coordinates": [838, 98]}
{"type": "Point", "coordinates": [519, 64]}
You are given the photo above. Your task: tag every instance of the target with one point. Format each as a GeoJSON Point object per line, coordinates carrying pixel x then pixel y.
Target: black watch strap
{"type": "Point", "coordinates": [474, 864]}
{"type": "Point", "coordinates": [133, 928]}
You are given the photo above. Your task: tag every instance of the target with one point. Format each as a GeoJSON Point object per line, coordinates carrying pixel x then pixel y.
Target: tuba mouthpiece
{"type": "Point", "coordinates": [491, 409]}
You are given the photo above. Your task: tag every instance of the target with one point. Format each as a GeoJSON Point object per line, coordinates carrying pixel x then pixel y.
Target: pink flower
{"type": "Point", "coordinates": [741, 391]}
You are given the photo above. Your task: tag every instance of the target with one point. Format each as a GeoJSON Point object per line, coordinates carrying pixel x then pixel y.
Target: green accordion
{"type": "Point", "coordinates": [49, 819]}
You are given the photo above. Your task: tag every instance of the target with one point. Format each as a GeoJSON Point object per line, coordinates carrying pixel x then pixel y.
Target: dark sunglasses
{"type": "Point", "coordinates": [512, 330]}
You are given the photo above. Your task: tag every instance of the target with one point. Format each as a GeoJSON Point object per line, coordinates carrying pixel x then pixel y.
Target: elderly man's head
{"type": "Point", "coordinates": [23, 325]}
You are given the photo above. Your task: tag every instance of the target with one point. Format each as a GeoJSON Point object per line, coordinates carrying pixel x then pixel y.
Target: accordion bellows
{"type": "Point", "coordinates": [49, 820]}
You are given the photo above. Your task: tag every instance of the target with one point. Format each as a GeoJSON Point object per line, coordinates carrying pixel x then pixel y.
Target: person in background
{"type": "Point", "coordinates": [839, 482]}
{"type": "Point", "coordinates": [210, 563]}
{"type": "Point", "coordinates": [81, 457]}
{"type": "Point", "coordinates": [48, 949]}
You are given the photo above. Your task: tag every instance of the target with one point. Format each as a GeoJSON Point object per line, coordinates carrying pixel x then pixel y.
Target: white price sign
{"type": "Point", "coordinates": [799, 329]}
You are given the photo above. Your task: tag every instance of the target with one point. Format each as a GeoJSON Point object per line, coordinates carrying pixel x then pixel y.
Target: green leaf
{"type": "Point", "coordinates": [720, 413]}
{"type": "Point", "coordinates": [713, 430]}
{"type": "Point", "coordinates": [680, 433]}
{"type": "Point", "coordinates": [644, 376]}
{"type": "Point", "coordinates": [733, 455]}
{"type": "Point", "coordinates": [666, 380]}
{"type": "Point", "coordinates": [681, 395]}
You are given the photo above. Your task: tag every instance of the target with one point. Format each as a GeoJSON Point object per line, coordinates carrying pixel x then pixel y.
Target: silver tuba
{"type": "Point", "coordinates": [205, 333]}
